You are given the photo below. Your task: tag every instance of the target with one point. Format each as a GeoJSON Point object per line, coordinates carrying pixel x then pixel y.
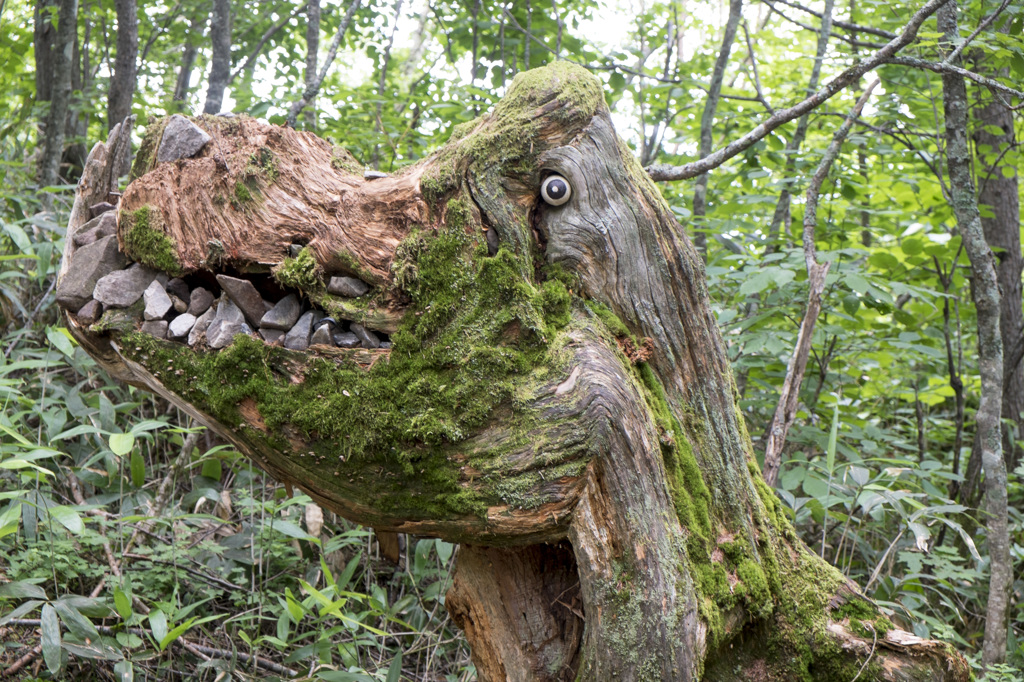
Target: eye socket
{"type": "Point", "coordinates": [555, 190]}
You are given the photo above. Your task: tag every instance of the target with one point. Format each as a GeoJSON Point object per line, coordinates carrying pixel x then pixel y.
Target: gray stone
{"type": "Point", "coordinates": [226, 324]}
{"type": "Point", "coordinates": [182, 139]}
{"type": "Point", "coordinates": [349, 287]}
{"type": "Point", "coordinates": [271, 336]}
{"type": "Point", "coordinates": [158, 303]}
{"type": "Point", "coordinates": [245, 296]}
{"type": "Point", "coordinates": [374, 175]}
{"type": "Point", "coordinates": [346, 340]}
{"type": "Point", "coordinates": [157, 328]}
{"type": "Point", "coordinates": [101, 208]}
{"type": "Point", "coordinates": [180, 306]}
{"type": "Point", "coordinates": [88, 265]}
{"type": "Point", "coordinates": [202, 324]}
{"type": "Point", "coordinates": [298, 337]}
{"type": "Point", "coordinates": [178, 288]}
{"type": "Point", "coordinates": [122, 288]}
{"type": "Point", "coordinates": [90, 312]}
{"type": "Point", "coordinates": [96, 229]}
{"type": "Point", "coordinates": [200, 301]}
{"type": "Point", "coordinates": [267, 306]}
{"type": "Point", "coordinates": [284, 315]}
{"type": "Point", "coordinates": [385, 345]}
{"type": "Point", "coordinates": [322, 336]}
{"type": "Point", "coordinates": [181, 325]}
{"type": "Point", "coordinates": [317, 316]}
{"type": "Point", "coordinates": [492, 242]}
{"type": "Point", "coordinates": [294, 250]}
{"type": "Point", "coordinates": [366, 338]}
{"type": "Point", "coordinates": [246, 329]}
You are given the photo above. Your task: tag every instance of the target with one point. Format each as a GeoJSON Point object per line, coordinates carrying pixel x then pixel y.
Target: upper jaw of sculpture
{"type": "Point", "coordinates": [454, 414]}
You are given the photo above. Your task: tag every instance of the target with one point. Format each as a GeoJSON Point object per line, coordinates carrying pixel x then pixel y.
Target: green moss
{"type": "Point", "coordinates": [302, 272]}
{"type": "Point", "coordinates": [145, 158]}
{"type": "Point", "coordinates": [865, 618]}
{"type": "Point", "coordinates": [343, 160]}
{"type": "Point", "coordinates": [476, 330]}
{"type": "Point", "coordinates": [145, 243]}
{"type": "Point", "coordinates": [262, 164]}
{"type": "Point", "coordinates": [508, 137]}
{"type": "Point", "coordinates": [242, 195]}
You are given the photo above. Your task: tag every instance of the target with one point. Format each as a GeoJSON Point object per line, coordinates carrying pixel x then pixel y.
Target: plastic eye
{"type": "Point", "coordinates": [555, 190]}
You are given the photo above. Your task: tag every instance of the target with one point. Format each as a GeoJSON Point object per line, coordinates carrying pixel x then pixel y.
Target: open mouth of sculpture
{"type": "Point", "coordinates": [105, 290]}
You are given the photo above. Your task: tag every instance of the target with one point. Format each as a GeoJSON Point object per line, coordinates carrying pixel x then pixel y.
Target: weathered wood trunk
{"type": "Point", "coordinates": [554, 392]}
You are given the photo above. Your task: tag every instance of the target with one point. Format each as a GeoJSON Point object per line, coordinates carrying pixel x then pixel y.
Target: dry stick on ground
{"type": "Point", "coordinates": [985, 292]}
{"type": "Point", "coordinates": [816, 273]}
{"type": "Point", "coordinates": [314, 87]}
{"type": "Point", "coordinates": [665, 172]}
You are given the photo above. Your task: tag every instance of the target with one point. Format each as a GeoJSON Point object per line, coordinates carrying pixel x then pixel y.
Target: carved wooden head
{"type": "Point", "coordinates": [416, 351]}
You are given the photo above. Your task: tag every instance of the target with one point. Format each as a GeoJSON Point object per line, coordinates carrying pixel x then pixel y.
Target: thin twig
{"type": "Point", "coordinates": [943, 67]}
{"type": "Point", "coordinates": [663, 172]}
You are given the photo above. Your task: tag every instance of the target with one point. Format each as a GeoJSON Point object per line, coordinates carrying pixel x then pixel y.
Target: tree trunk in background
{"type": "Point", "coordinates": [707, 122]}
{"type": "Point", "coordinates": [122, 84]}
{"type": "Point", "coordinates": [985, 292]}
{"type": "Point", "coordinates": [188, 60]}
{"type": "Point", "coordinates": [53, 147]}
{"type": "Point", "coordinates": [312, 54]}
{"type": "Point", "coordinates": [561, 404]}
{"type": "Point", "coordinates": [45, 39]}
{"type": "Point", "coordinates": [999, 201]}
{"type": "Point", "coordinates": [781, 217]}
{"type": "Point", "coordinates": [220, 64]}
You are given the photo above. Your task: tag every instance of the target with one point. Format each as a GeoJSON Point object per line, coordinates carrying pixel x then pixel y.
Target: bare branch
{"type": "Point", "coordinates": [664, 172]}
{"type": "Point", "coordinates": [952, 57]}
{"type": "Point", "coordinates": [757, 77]}
{"type": "Point", "coordinates": [310, 91]}
{"type": "Point", "coordinates": [945, 68]}
{"type": "Point", "coordinates": [261, 43]}
{"type": "Point", "coordinates": [785, 412]}
{"type": "Point", "coordinates": [849, 26]}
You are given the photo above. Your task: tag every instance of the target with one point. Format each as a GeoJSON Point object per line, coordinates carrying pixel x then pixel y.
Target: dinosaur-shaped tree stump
{"type": "Point", "coordinates": [468, 350]}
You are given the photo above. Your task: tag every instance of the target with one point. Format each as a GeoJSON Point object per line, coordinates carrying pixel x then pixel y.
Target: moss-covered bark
{"type": "Point", "coordinates": [556, 376]}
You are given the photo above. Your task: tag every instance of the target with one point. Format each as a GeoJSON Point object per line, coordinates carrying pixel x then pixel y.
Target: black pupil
{"type": "Point", "coordinates": [556, 189]}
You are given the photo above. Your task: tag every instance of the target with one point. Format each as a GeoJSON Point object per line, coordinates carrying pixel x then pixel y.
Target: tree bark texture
{"type": "Point", "coordinates": [985, 292]}
{"type": "Point", "coordinates": [53, 146]}
{"type": "Point", "coordinates": [122, 85]}
{"type": "Point", "coordinates": [220, 63]}
{"type": "Point", "coordinates": [557, 397]}
{"type": "Point", "coordinates": [998, 196]}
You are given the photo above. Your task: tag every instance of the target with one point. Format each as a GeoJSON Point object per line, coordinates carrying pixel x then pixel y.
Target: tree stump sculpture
{"type": "Point", "coordinates": [456, 351]}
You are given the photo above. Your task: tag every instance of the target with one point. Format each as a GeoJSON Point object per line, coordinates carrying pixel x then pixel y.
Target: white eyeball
{"type": "Point", "coordinates": [555, 190]}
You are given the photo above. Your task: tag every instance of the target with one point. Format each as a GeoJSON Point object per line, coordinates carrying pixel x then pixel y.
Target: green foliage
{"type": "Point", "coordinates": [877, 500]}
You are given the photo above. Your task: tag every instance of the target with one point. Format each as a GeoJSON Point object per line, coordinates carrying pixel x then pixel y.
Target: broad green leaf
{"type": "Point", "coordinates": [20, 589]}
{"type": "Point", "coordinates": [395, 669]}
{"type": "Point", "coordinates": [68, 518]}
{"type": "Point", "coordinates": [49, 626]}
{"type": "Point", "coordinates": [138, 469]}
{"type": "Point", "coordinates": [123, 603]}
{"type": "Point", "coordinates": [60, 340]}
{"type": "Point", "coordinates": [830, 455]}
{"type": "Point", "coordinates": [122, 443]}
{"type": "Point", "coordinates": [158, 624]}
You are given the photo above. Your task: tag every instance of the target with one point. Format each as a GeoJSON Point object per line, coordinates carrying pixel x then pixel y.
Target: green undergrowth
{"type": "Point", "coordinates": [475, 328]}
{"type": "Point", "coordinates": [146, 244]}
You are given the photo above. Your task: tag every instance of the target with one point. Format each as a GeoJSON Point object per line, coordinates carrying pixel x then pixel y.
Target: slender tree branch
{"type": "Point", "coordinates": [849, 26]}
{"type": "Point", "coordinates": [753, 65]}
{"type": "Point", "coordinates": [666, 172]}
{"type": "Point", "coordinates": [262, 42]}
{"type": "Point", "coordinates": [310, 92]}
{"type": "Point", "coordinates": [955, 54]}
{"type": "Point", "coordinates": [807, 27]}
{"type": "Point", "coordinates": [945, 68]}
{"type": "Point", "coordinates": [785, 412]}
